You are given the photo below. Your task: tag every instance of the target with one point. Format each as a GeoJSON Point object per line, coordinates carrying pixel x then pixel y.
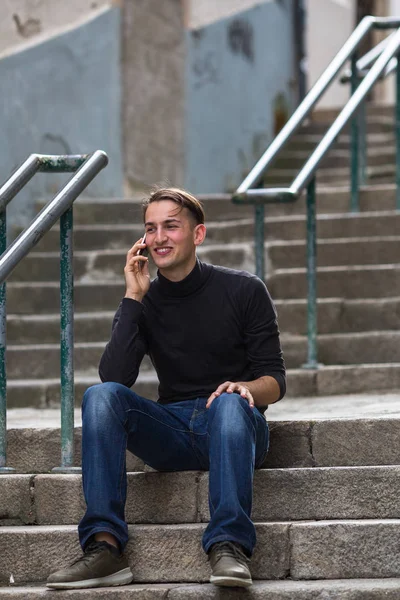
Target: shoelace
{"type": "Point", "coordinates": [232, 550]}
{"type": "Point", "coordinates": [90, 551]}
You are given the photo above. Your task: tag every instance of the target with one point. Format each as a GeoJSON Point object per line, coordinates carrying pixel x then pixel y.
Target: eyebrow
{"type": "Point", "coordinates": [166, 221]}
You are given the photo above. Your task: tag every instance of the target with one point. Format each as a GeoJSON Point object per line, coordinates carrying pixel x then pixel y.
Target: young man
{"type": "Point", "coordinates": [212, 336]}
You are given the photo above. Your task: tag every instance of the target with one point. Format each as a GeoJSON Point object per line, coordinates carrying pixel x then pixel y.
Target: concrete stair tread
{"type": "Point", "coordinates": [345, 589]}
{"type": "Point", "coordinates": [352, 430]}
{"type": "Point", "coordinates": [327, 380]}
{"type": "Point", "coordinates": [365, 548]}
{"type": "Point", "coordinates": [280, 495]}
{"type": "Point", "coordinates": [343, 268]}
{"type": "Point", "coordinates": [119, 252]}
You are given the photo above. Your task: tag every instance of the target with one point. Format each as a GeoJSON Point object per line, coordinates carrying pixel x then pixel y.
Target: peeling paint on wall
{"type": "Point", "coordinates": [241, 38]}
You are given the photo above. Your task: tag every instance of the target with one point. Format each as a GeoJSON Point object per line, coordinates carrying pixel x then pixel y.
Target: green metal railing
{"type": "Point", "coordinates": [247, 193]}
{"type": "Point", "coordinates": [87, 166]}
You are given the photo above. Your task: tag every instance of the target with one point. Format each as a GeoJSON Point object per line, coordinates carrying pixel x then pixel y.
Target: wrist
{"type": "Point", "coordinates": [134, 296]}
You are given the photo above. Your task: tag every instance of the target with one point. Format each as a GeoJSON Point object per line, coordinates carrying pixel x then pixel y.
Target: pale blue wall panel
{"type": "Point", "coordinates": [63, 96]}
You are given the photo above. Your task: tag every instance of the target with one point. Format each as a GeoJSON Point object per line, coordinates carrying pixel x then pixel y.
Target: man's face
{"type": "Point", "coordinates": [171, 235]}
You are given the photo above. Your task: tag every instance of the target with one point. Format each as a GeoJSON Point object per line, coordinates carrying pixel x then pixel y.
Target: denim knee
{"type": "Point", "coordinates": [231, 410]}
{"type": "Point", "coordinates": [101, 400]}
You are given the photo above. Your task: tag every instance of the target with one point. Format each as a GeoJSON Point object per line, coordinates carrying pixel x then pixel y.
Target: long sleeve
{"type": "Point", "coordinates": [124, 352]}
{"type": "Point", "coordinates": [262, 334]}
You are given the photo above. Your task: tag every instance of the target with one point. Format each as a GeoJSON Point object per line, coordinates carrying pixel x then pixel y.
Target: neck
{"type": "Point", "coordinates": [179, 273]}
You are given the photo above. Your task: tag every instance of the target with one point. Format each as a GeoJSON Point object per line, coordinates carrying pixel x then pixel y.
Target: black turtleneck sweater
{"type": "Point", "coordinates": [215, 325]}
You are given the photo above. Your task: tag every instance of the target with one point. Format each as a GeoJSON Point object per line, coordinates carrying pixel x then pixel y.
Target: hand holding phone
{"type": "Point", "coordinates": [137, 276]}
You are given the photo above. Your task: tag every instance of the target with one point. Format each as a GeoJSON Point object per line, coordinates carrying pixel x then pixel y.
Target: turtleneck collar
{"type": "Point", "coordinates": [190, 284]}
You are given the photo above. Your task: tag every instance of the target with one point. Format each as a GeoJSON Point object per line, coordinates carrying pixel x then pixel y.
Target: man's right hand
{"type": "Point", "coordinates": [137, 276]}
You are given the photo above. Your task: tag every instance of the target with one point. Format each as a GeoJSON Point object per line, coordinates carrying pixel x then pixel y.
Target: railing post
{"type": "Point", "coordinates": [397, 128]}
{"type": "Point", "coordinates": [3, 349]}
{"type": "Point", "coordinates": [363, 174]}
{"type": "Point", "coordinates": [354, 142]}
{"type": "Point", "coordinates": [312, 351]}
{"type": "Point", "coordinates": [67, 344]}
{"type": "Point", "coordinates": [259, 239]}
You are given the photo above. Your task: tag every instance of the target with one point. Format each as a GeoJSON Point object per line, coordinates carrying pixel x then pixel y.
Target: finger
{"type": "Point", "coordinates": [133, 263]}
{"type": "Point", "coordinates": [211, 398]}
{"type": "Point", "coordinates": [224, 387]}
{"type": "Point", "coordinates": [250, 399]}
{"type": "Point", "coordinates": [136, 246]}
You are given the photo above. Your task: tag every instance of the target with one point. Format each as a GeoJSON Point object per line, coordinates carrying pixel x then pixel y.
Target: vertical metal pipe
{"type": "Point", "coordinates": [312, 351]}
{"type": "Point", "coordinates": [363, 173]}
{"type": "Point", "coordinates": [67, 339]}
{"type": "Point", "coordinates": [3, 349]}
{"type": "Point", "coordinates": [259, 239]}
{"type": "Point", "coordinates": [354, 143]}
{"type": "Point", "coordinates": [3, 345]}
{"type": "Point", "coordinates": [397, 126]}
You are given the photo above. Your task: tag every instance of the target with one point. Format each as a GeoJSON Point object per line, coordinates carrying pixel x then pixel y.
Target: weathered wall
{"type": "Point", "coordinates": [239, 76]}
{"type": "Point", "coordinates": [63, 96]}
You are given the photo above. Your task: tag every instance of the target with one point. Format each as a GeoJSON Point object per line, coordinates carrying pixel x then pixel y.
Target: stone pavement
{"type": "Point", "coordinates": [354, 406]}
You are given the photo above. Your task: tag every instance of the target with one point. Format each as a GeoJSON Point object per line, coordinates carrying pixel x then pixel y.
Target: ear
{"type": "Point", "coordinates": [199, 233]}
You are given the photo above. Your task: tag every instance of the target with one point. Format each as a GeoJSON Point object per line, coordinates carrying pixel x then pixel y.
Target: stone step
{"type": "Point", "coordinates": [113, 237]}
{"type": "Point", "coordinates": [359, 281]}
{"type": "Point", "coordinates": [309, 141]}
{"type": "Point", "coordinates": [327, 115]}
{"type": "Point", "coordinates": [334, 252]}
{"type": "Point", "coordinates": [319, 493]}
{"type": "Point", "coordinates": [30, 329]}
{"type": "Point", "coordinates": [301, 443]}
{"type": "Point", "coordinates": [219, 207]}
{"type": "Point", "coordinates": [349, 589]}
{"type": "Point", "coordinates": [344, 349]}
{"type": "Point", "coordinates": [375, 124]}
{"type": "Point", "coordinates": [45, 392]}
{"type": "Point", "coordinates": [327, 380]}
{"type": "Point", "coordinates": [43, 360]}
{"type": "Point", "coordinates": [108, 264]}
{"type": "Point", "coordinates": [284, 177]}
{"type": "Point", "coordinates": [335, 315]}
{"type": "Point", "coordinates": [342, 549]}
{"type": "Point", "coordinates": [350, 282]}
{"type": "Point", "coordinates": [337, 157]}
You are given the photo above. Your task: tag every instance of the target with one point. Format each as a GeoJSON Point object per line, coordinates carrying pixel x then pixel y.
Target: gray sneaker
{"type": "Point", "coordinates": [98, 567]}
{"type": "Point", "coordinates": [229, 565]}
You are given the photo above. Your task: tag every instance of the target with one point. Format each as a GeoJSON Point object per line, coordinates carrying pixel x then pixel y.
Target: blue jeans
{"type": "Point", "coordinates": [229, 438]}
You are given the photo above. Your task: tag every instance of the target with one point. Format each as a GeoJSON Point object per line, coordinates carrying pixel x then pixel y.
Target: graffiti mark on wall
{"type": "Point", "coordinates": [241, 38]}
{"type": "Point", "coordinates": [205, 70]}
{"type": "Point", "coordinates": [28, 28]}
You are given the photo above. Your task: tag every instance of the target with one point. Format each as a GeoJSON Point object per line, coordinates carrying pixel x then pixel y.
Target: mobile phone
{"type": "Point", "coordinates": [142, 251]}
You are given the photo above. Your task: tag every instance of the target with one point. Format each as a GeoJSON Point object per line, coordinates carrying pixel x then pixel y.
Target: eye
{"type": "Point", "coordinates": [149, 230]}
{"type": "Point", "coordinates": [171, 226]}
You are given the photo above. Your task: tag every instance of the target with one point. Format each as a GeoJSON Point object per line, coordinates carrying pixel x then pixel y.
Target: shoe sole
{"type": "Point", "coordinates": [120, 578]}
{"type": "Point", "coordinates": [230, 581]}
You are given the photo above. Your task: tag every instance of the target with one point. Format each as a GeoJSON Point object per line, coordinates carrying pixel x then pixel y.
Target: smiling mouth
{"type": "Point", "coordinates": [162, 251]}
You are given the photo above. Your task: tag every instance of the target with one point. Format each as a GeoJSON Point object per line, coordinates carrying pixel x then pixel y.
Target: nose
{"type": "Point", "coordinates": [160, 237]}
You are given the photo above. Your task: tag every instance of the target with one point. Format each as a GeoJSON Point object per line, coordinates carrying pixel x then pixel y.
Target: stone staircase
{"type": "Point", "coordinates": [326, 502]}
{"type": "Point", "coordinates": [327, 525]}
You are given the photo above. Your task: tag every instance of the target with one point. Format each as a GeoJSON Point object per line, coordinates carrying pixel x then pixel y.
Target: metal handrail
{"type": "Point", "coordinates": [306, 178]}
{"type": "Point", "coordinates": [87, 166]}
{"type": "Point", "coordinates": [363, 63]}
